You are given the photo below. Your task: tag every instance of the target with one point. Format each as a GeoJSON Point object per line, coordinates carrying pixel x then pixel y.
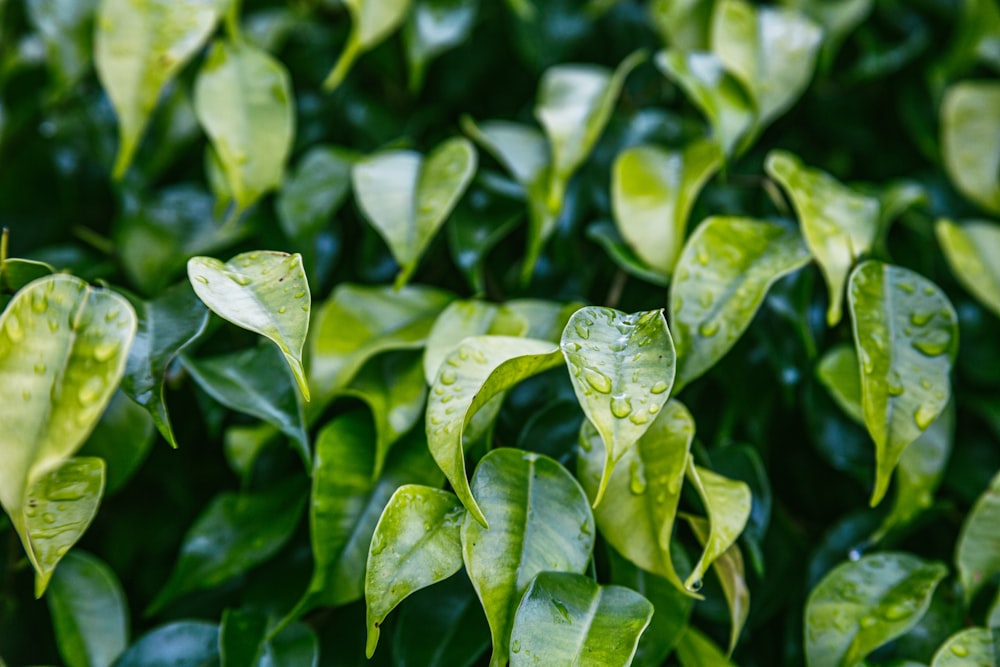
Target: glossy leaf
{"type": "Point", "coordinates": [166, 325]}
{"type": "Point", "coordinates": [89, 611]}
{"type": "Point", "coordinates": [640, 505]}
{"type": "Point", "coordinates": [723, 274]}
{"type": "Point", "coordinates": [317, 188]}
{"type": "Point", "coordinates": [263, 292]}
{"type": "Point", "coordinates": [972, 646]}
{"type": "Point", "coordinates": [838, 224]}
{"type": "Point", "coordinates": [567, 618]}
{"type": "Point", "coordinates": [16, 273]}
{"type": "Point", "coordinates": [481, 368]}
{"type": "Point", "coordinates": [236, 532]}
{"type": "Point", "coordinates": [970, 140]}
{"type": "Point", "coordinates": [245, 642]}
{"type": "Point", "coordinates": [622, 368]}
{"type": "Point", "coordinates": [416, 543]}
{"type": "Point", "coordinates": [652, 192]}
{"type": "Point", "coordinates": [732, 577]}
{"type": "Point", "coordinates": [545, 320]}
{"type": "Point", "coordinates": [696, 650]}
{"type": "Point", "coordinates": [407, 197]}
{"type": "Point", "coordinates": [433, 27]}
{"type": "Point", "coordinates": [539, 521]}
{"type": "Point", "coordinates": [462, 319]}
{"type": "Point", "coordinates": [177, 644]}
{"type": "Point", "coordinates": [863, 604]}
{"type": "Point", "coordinates": [139, 47]}
{"type": "Point", "coordinates": [905, 330]}
{"type": "Point", "coordinates": [371, 22]}
{"type": "Point", "coordinates": [973, 253]}
{"type": "Point", "coordinates": [727, 503]}
{"type": "Point", "coordinates": [977, 554]}
{"type": "Point", "coordinates": [606, 235]}
{"type": "Point", "coordinates": [123, 438]}
{"type": "Point", "coordinates": [838, 371]}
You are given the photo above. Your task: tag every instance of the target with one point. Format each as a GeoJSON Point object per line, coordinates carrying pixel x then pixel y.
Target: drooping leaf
{"type": "Point", "coordinates": [972, 646]}
{"type": "Point", "coordinates": [177, 644]}
{"type": "Point", "coordinates": [236, 532]}
{"type": "Point", "coordinates": [622, 368]}
{"type": "Point", "coordinates": [727, 503]}
{"type": "Point", "coordinates": [696, 650]}
{"type": "Point", "coordinates": [139, 47]}
{"type": "Point", "coordinates": [89, 611]}
{"type": "Point", "coordinates": [465, 318]}
{"type": "Point", "coordinates": [407, 197]}
{"type": "Point", "coordinates": [863, 604]}
{"type": "Point", "coordinates": [839, 224]}
{"type": "Point", "coordinates": [433, 27]}
{"type": "Point", "coordinates": [480, 369]}
{"type": "Point", "coordinates": [906, 333]}
{"type": "Point", "coordinates": [167, 325]}
{"type": "Point", "coordinates": [977, 552]}
{"type": "Point", "coordinates": [310, 197]}
{"type": "Point", "coordinates": [123, 438]}
{"type": "Point", "coordinates": [539, 521]}
{"type": "Point", "coordinates": [568, 617]}
{"type": "Point", "coordinates": [973, 253]}
{"type": "Point", "coordinates": [652, 192]}
{"type": "Point", "coordinates": [732, 577]}
{"type": "Point", "coordinates": [723, 274]}
{"type": "Point", "coordinates": [416, 543]}
{"type": "Point", "coordinates": [263, 292]}
{"type": "Point", "coordinates": [371, 22]}
{"type": "Point", "coordinates": [970, 140]}
{"type": "Point", "coordinates": [441, 627]}
{"type": "Point", "coordinates": [640, 505]}
{"type": "Point", "coordinates": [838, 371]}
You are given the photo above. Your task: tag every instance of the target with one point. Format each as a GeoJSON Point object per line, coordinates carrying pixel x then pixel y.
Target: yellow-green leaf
{"type": "Point", "coordinates": [977, 553]}
{"type": "Point", "coordinates": [973, 253]}
{"type": "Point", "coordinates": [371, 22]}
{"type": "Point", "coordinates": [970, 140]}
{"type": "Point", "coordinates": [727, 503]}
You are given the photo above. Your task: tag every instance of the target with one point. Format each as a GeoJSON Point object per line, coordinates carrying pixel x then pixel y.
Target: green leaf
{"type": "Point", "coordinates": [16, 273]}
{"type": "Point", "coordinates": [545, 319]}
{"type": "Point", "coordinates": [696, 650]}
{"type": "Point", "coordinates": [243, 444]}
{"type": "Point", "coordinates": [622, 368]}
{"type": "Point", "coordinates": [723, 274]}
{"type": "Point", "coordinates": [359, 322]}
{"type": "Point", "coordinates": [970, 140]}
{"type": "Point", "coordinates": [839, 224]}
{"type": "Point", "coordinates": [416, 543]}
{"type": "Point", "coordinates": [236, 532]}
{"type": "Point", "coordinates": [640, 504]}
{"type": "Point", "coordinates": [66, 26]}
{"type": "Point", "coordinates": [240, 637]}
{"type": "Point", "coordinates": [838, 19]}
{"type": "Point", "coordinates": [243, 98]}
{"type": "Point", "coordinates": [371, 22]}
{"type": "Point", "coordinates": [255, 382]}
{"type": "Point", "coordinates": [167, 324]}
{"type": "Point", "coordinates": [732, 577]}
{"type": "Point", "coordinates": [652, 192]}
{"type": "Point", "coordinates": [838, 371]}
{"type": "Point", "coordinates": [862, 604]}
{"type": "Point", "coordinates": [433, 27]}
{"type": "Point", "coordinates": [973, 253]}
{"type": "Point", "coordinates": [295, 646]}
{"type": "Point", "coordinates": [567, 618]}
{"type": "Point", "coordinates": [123, 438]}
{"type": "Point", "coordinates": [139, 47]}
{"type": "Point", "coordinates": [89, 611]}
{"type": "Point", "coordinates": [539, 520]}
{"type": "Point", "coordinates": [977, 552]}
{"type": "Point", "coordinates": [682, 24]}
{"type": "Point", "coordinates": [407, 197]}
{"type": "Point", "coordinates": [480, 369]}
{"type": "Point", "coordinates": [606, 235]}
{"type": "Point", "coordinates": [465, 318]}
{"type": "Point", "coordinates": [177, 644]}
{"type": "Point", "coordinates": [727, 503]}
{"type": "Point", "coordinates": [442, 627]}
{"type": "Point", "coordinates": [972, 646]}
{"type": "Point", "coordinates": [263, 292]}
{"type": "Point", "coordinates": [310, 197]}
{"type": "Point", "coordinates": [906, 333]}
{"type": "Point", "coordinates": [716, 93]}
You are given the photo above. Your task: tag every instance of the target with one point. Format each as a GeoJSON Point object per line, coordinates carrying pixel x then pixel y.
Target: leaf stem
{"type": "Point", "coordinates": [232, 22]}
{"type": "Point", "coordinates": [94, 240]}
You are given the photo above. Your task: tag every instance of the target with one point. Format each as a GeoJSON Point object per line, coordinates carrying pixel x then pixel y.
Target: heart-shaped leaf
{"type": "Point", "coordinates": [973, 253]}
{"type": "Point", "coordinates": [417, 542]}
{"type": "Point", "coordinates": [407, 197]}
{"type": "Point", "coordinates": [565, 616]}
{"type": "Point", "coordinates": [622, 368]}
{"type": "Point", "coordinates": [177, 644]}
{"type": "Point", "coordinates": [539, 520]}
{"type": "Point", "coordinates": [480, 369]}
{"type": "Point", "coordinates": [727, 503]}
{"type": "Point", "coordinates": [977, 556]}
{"type": "Point", "coordinates": [721, 278]}
{"type": "Point", "coordinates": [839, 224]}
{"type": "Point", "coordinates": [433, 27]}
{"type": "Point", "coordinates": [462, 319]}
{"type": "Point", "coordinates": [371, 22]}
{"type": "Point", "coordinates": [970, 140]}
{"type": "Point", "coordinates": [906, 333]}
{"type": "Point", "coordinates": [863, 604]}
{"type": "Point", "coordinates": [972, 646]}
{"type": "Point", "coordinates": [263, 292]}
{"type": "Point", "coordinates": [732, 577]}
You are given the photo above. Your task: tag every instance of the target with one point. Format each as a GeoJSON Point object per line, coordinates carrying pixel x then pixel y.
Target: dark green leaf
{"type": "Point", "coordinates": [177, 644]}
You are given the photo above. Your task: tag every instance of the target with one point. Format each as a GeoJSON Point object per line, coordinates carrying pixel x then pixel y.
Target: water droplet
{"type": "Point", "coordinates": [621, 406]}
{"type": "Point", "coordinates": [933, 345]}
{"type": "Point", "coordinates": [305, 308]}
{"type": "Point", "coordinates": [708, 329]}
{"type": "Point", "coordinates": [906, 287]}
{"type": "Point", "coordinates": [91, 390]}
{"type": "Point", "coordinates": [929, 291]}
{"type": "Point", "coordinates": [960, 650]}
{"type": "Point", "coordinates": [573, 347]}
{"type": "Point", "coordinates": [448, 376]}
{"type": "Point", "coordinates": [896, 612]}
{"type": "Point", "coordinates": [104, 351]}
{"type": "Point", "coordinates": [893, 385]}
{"type": "Point", "coordinates": [638, 418]}
{"type": "Point", "coordinates": [49, 517]}
{"type": "Point", "coordinates": [920, 319]}
{"type": "Point", "coordinates": [39, 303]}
{"type": "Point", "coordinates": [40, 369]}
{"type": "Point", "coordinates": [378, 544]}
{"type": "Point", "coordinates": [598, 380]}
{"type": "Point", "coordinates": [298, 295]}
{"type": "Point", "coordinates": [563, 612]}
{"type": "Point", "coordinates": [702, 256]}
{"type": "Point", "coordinates": [925, 383]}
{"type": "Point", "coordinates": [854, 554]}
{"type": "Point", "coordinates": [924, 416]}
{"type": "Point", "coordinates": [515, 646]}
{"type": "Point", "coordinates": [706, 299]}
{"type": "Point", "coordinates": [868, 621]}
{"type": "Point", "coordinates": [241, 280]}
{"type": "Point", "coordinates": [25, 395]}
{"type": "Point", "coordinates": [637, 479]}
{"type": "Point", "coordinates": [581, 331]}
{"type": "Point", "coordinates": [463, 353]}
{"type": "Point", "coordinates": [201, 279]}
{"type": "Point", "coordinates": [654, 408]}
{"type": "Point", "coordinates": [585, 528]}
{"type": "Point", "coordinates": [658, 388]}
{"type": "Point", "coordinates": [13, 328]}
{"type": "Point", "coordinates": [281, 310]}
{"type": "Point", "coordinates": [479, 357]}
{"type": "Point", "coordinates": [694, 586]}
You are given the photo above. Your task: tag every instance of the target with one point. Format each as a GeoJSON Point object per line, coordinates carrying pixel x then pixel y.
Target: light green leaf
{"type": "Point", "coordinates": [652, 191]}
{"type": "Point", "coordinates": [966, 648]}
{"type": "Point", "coordinates": [732, 577]}
{"type": "Point", "coordinates": [567, 618]}
{"type": "Point", "coordinates": [371, 22]}
{"type": "Point", "coordinates": [89, 611]}
{"type": "Point", "coordinates": [606, 235]}
{"type": "Point", "coordinates": [138, 49]}
{"type": "Point", "coordinates": [838, 18]}
{"type": "Point", "coordinates": [973, 253]}
{"type": "Point", "coordinates": [177, 644]}
{"type": "Point", "coordinates": [772, 51]}
{"type": "Point", "coordinates": [977, 552]}
{"type": "Point", "coordinates": [407, 197]}
{"type": "Point", "coordinates": [723, 274]}
{"type": "Point", "coordinates": [123, 438]}
{"type": "Point", "coordinates": [67, 27]}
{"type": "Point", "coordinates": [906, 333]}
{"type": "Point", "coordinates": [309, 198]}
{"type": "Point", "coordinates": [838, 371]}
{"type": "Point", "coordinates": [243, 99]}
{"type": "Point", "coordinates": [970, 140]}
{"type": "Point", "coordinates": [264, 292]}
{"type": "Point", "coordinates": [545, 319]}
{"type": "Point", "coordinates": [539, 520]}
{"type": "Point", "coordinates": [696, 650]}
{"type": "Point", "coordinates": [480, 369]}
{"type": "Point", "coordinates": [716, 92]}
{"type": "Point", "coordinates": [236, 532]}
{"type": "Point", "coordinates": [359, 322]}
{"type": "Point", "coordinates": [683, 24]}
{"type": "Point", "coordinates": [727, 503]}
{"type": "Point", "coordinates": [640, 504]}
{"type": "Point", "coordinates": [167, 325]}
{"type": "Point", "coordinates": [839, 224]}
{"type": "Point", "coordinates": [416, 543]}
{"type": "Point", "coordinates": [465, 318]}
{"type": "Point", "coordinates": [433, 27]}
{"type": "Point", "coordinates": [862, 604]}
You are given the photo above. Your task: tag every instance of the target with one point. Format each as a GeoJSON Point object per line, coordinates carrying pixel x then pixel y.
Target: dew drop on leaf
{"type": "Point", "coordinates": [621, 406]}
{"type": "Point", "coordinates": [598, 380]}
{"type": "Point", "coordinates": [708, 329]}
{"type": "Point", "coordinates": [658, 388]}
{"type": "Point", "coordinates": [637, 477]}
